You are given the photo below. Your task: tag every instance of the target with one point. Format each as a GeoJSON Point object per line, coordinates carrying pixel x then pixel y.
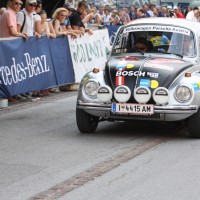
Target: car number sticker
{"type": "Point", "coordinates": [132, 108]}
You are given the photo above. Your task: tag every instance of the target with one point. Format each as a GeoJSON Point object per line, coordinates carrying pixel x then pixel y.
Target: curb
{"type": "Point", "coordinates": [70, 87]}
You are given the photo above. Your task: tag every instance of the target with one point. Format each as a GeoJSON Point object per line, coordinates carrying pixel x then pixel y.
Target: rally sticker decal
{"type": "Point", "coordinates": [84, 79]}
{"type": "Point", "coordinates": [157, 28]}
{"type": "Point", "coordinates": [131, 58]}
{"type": "Point", "coordinates": [153, 84]}
{"type": "Point", "coordinates": [120, 66]}
{"type": "Point", "coordinates": [164, 67]}
{"type": "Point", "coordinates": [130, 66]}
{"type": "Point", "coordinates": [196, 86]}
{"type": "Point", "coordinates": [165, 60]}
{"type": "Point", "coordinates": [119, 80]}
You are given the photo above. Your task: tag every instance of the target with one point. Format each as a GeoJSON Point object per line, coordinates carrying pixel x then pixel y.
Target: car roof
{"type": "Point", "coordinates": [189, 24]}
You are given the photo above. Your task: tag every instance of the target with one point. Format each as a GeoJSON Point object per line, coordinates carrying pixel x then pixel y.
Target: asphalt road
{"type": "Point", "coordinates": [43, 156]}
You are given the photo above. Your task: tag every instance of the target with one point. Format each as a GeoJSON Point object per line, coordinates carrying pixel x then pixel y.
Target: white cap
{"type": "Point", "coordinates": [31, 1]}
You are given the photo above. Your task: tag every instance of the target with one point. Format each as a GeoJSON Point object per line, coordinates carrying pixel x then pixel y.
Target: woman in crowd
{"type": "Point", "coordinates": [140, 13]}
{"type": "Point", "coordinates": [48, 30]}
{"type": "Point", "coordinates": [115, 20]}
{"type": "Point", "coordinates": [106, 17]}
{"type": "Point", "coordinates": [59, 17]}
{"type": "Point", "coordinates": [95, 17]}
{"type": "Point", "coordinates": [46, 27]}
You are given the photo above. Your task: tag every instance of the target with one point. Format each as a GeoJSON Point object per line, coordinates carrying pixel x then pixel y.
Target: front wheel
{"type": "Point", "coordinates": [86, 123]}
{"type": "Point", "coordinates": [194, 125]}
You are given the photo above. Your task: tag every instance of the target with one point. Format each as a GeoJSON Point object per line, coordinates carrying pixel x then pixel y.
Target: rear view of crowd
{"type": "Point", "coordinates": [32, 21]}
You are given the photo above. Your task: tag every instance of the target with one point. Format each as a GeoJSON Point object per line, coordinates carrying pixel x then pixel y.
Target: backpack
{"type": "Point", "coordinates": [22, 27]}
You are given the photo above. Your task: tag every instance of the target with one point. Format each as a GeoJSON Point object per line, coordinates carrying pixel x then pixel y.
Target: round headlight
{"type": "Point", "coordinates": [142, 94]}
{"type": "Point", "coordinates": [183, 93]}
{"type": "Point", "coordinates": [161, 95]}
{"type": "Point", "coordinates": [104, 93]}
{"type": "Point", "coordinates": [91, 88]}
{"type": "Point", "coordinates": [122, 93]}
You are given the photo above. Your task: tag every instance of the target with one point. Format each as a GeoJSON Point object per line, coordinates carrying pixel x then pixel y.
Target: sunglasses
{"type": "Point", "coordinates": [63, 15]}
{"type": "Point", "coordinates": [18, 4]}
{"type": "Point", "coordinates": [32, 5]}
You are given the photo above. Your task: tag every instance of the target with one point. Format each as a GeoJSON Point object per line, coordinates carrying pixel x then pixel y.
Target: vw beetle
{"type": "Point", "coordinates": [160, 84]}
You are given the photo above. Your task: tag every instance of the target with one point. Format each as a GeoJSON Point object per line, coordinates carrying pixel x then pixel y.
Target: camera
{"type": "Point", "coordinates": [171, 13]}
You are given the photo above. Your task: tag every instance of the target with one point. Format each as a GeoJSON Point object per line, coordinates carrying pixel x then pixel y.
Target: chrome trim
{"type": "Point", "coordinates": [157, 109]}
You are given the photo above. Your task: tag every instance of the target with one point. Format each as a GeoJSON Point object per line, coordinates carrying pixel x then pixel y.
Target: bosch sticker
{"type": "Point", "coordinates": [137, 73]}
{"type": "Point", "coordinates": [130, 73]}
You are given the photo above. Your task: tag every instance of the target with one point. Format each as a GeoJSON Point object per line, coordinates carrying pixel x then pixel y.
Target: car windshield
{"type": "Point", "coordinates": [155, 39]}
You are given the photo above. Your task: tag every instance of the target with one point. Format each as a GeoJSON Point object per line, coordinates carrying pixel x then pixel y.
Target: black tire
{"type": "Point", "coordinates": [86, 123]}
{"type": "Point", "coordinates": [194, 125]}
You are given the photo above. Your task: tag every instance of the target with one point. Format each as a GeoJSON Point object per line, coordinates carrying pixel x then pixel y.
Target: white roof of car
{"type": "Point", "coordinates": [193, 26]}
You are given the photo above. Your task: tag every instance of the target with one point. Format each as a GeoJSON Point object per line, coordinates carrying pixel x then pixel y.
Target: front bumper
{"type": "Point", "coordinates": [161, 113]}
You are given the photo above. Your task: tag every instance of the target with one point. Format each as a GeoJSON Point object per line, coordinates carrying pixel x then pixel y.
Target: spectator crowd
{"type": "Point", "coordinates": [32, 20]}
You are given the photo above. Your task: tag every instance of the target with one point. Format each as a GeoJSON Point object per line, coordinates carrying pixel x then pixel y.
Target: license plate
{"type": "Point", "coordinates": [141, 109]}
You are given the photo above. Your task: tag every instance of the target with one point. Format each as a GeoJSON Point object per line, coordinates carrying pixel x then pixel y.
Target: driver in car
{"type": "Point", "coordinates": [143, 45]}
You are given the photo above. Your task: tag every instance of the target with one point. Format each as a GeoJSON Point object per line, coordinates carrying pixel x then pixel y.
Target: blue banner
{"type": "Point", "coordinates": [112, 30]}
{"type": "Point", "coordinates": [62, 61]}
{"type": "Point", "coordinates": [33, 65]}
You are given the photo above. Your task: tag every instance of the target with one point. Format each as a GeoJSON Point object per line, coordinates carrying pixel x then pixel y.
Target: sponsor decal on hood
{"type": "Point", "coordinates": [157, 71]}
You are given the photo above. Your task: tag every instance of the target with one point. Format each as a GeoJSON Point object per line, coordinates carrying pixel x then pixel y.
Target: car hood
{"type": "Point", "coordinates": [143, 71]}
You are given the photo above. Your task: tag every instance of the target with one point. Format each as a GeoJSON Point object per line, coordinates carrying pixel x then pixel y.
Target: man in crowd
{"type": "Point", "coordinates": [27, 21]}
{"type": "Point", "coordinates": [75, 18]}
{"type": "Point", "coordinates": [145, 9]}
{"type": "Point", "coordinates": [160, 12]}
{"type": "Point", "coordinates": [8, 20]}
{"type": "Point", "coordinates": [8, 25]}
{"type": "Point", "coordinates": [2, 10]}
{"type": "Point", "coordinates": [194, 15]}
{"type": "Point", "coordinates": [152, 7]}
{"type": "Point", "coordinates": [133, 13]}
{"type": "Point", "coordinates": [30, 23]}
{"type": "Point", "coordinates": [178, 13]}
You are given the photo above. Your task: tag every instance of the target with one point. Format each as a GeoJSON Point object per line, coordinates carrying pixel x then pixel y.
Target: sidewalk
{"type": "Point", "coordinates": [65, 91]}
